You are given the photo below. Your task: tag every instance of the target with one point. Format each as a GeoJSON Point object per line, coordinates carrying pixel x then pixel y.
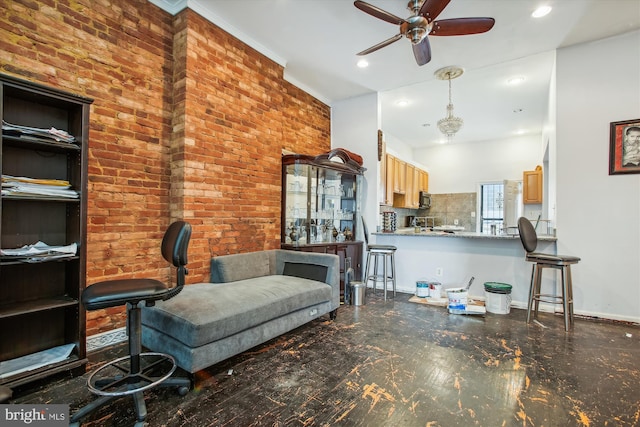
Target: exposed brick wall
{"type": "Point", "coordinates": [187, 122]}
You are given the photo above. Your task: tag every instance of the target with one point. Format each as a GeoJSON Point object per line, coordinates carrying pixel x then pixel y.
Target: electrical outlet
{"type": "Point", "coordinates": [455, 222]}
{"type": "Point", "coordinates": [473, 214]}
{"type": "Point", "coordinates": [439, 271]}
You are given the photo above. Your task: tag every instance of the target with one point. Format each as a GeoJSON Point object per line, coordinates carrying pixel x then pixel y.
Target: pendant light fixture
{"type": "Point", "coordinates": [451, 124]}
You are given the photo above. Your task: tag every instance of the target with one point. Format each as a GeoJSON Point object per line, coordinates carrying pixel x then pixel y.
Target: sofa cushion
{"type": "Point", "coordinates": [205, 312]}
{"type": "Point", "coordinates": [306, 271]}
{"type": "Point", "coordinates": [231, 268]}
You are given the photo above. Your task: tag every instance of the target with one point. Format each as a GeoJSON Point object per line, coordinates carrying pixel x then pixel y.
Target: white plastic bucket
{"type": "Point", "coordinates": [457, 298]}
{"type": "Point", "coordinates": [435, 289]}
{"type": "Point", "coordinates": [422, 289]}
{"type": "Point", "coordinates": [497, 297]}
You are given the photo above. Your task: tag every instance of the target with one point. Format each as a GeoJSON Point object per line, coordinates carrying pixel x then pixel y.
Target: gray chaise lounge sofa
{"type": "Point", "coordinates": [251, 299]}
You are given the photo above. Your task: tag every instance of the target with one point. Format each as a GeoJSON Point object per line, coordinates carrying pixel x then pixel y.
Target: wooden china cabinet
{"type": "Point", "coordinates": [321, 207]}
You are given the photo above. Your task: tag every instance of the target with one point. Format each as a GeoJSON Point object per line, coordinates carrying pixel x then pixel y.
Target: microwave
{"type": "Point", "coordinates": [425, 200]}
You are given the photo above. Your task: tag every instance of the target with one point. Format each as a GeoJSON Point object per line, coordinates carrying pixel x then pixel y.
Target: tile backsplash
{"type": "Point", "coordinates": [445, 208]}
{"type": "Point", "coordinates": [448, 207]}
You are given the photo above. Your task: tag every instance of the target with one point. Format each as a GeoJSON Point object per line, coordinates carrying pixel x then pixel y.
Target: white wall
{"type": "Point", "coordinates": [598, 215]}
{"type": "Point", "coordinates": [459, 168]}
{"type": "Point", "coordinates": [354, 126]}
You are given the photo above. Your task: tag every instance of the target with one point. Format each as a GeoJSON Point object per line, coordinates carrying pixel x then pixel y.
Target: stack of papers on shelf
{"type": "Point", "coordinates": [40, 251]}
{"type": "Point", "coordinates": [35, 360]}
{"type": "Point", "coordinates": [21, 186]}
{"type": "Point", "coordinates": [51, 134]}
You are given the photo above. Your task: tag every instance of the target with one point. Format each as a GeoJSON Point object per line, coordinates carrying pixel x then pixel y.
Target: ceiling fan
{"type": "Point", "coordinates": [423, 23]}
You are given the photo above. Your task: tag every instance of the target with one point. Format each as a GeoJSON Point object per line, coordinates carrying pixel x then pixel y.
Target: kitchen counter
{"type": "Point", "coordinates": [452, 258]}
{"type": "Point", "coordinates": [410, 232]}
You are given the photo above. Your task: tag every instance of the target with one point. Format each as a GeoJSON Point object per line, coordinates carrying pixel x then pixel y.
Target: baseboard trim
{"type": "Point", "coordinates": [106, 339]}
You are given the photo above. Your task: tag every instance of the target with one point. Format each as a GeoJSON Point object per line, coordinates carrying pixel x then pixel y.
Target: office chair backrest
{"type": "Point", "coordinates": [528, 235]}
{"type": "Point", "coordinates": [365, 230]}
{"type": "Point", "coordinates": [174, 249]}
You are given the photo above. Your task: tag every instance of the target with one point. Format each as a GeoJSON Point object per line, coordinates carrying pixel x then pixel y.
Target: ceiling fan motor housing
{"type": "Point", "coordinates": [415, 28]}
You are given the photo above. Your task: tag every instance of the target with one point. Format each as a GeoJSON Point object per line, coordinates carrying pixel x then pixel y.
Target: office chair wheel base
{"type": "Point", "coordinates": [117, 379]}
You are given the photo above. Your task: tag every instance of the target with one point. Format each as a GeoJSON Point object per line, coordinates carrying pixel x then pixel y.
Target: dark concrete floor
{"type": "Point", "coordinates": [398, 363]}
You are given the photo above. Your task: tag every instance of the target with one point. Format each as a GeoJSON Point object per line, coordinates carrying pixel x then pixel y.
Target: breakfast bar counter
{"type": "Point", "coordinates": [410, 232]}
{"type": "Point", "coordinates": [452, 258]}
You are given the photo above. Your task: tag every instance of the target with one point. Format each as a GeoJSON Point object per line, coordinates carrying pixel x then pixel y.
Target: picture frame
{"type": "Point", "coordinates": [624, 147]}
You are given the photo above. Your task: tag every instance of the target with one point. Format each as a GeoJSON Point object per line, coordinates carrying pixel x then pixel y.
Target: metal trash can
{"type": "Point", "coordinates": [357, 293]}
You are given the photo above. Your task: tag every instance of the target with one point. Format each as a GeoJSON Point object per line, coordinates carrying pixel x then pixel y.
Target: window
{"type": "Point", "coordinates": [491, 206]}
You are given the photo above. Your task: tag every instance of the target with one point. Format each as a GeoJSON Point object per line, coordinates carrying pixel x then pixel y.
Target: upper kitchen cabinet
{"type": "Point", "coordinates": [399, 176]}
{"type": "Point", "coordinates": [403, 183]}
{"type": "Point", "coordinates": [424, 180]}
{"type": "Point", "coordinates": [532, 186]}
{"type": "Point", "coordinates": [388, 176]}
{"type": "Point", "coordinates": [43, 231]}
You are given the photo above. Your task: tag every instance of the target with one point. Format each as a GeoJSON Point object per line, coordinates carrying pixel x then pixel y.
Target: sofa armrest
{"type": "Point", "coordinates": [331, 261]}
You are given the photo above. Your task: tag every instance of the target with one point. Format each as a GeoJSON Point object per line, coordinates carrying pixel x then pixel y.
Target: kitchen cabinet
{"type": "Point", "coordinates": [424, 180]}
{"type": "Point", "coordinates": [321, 206]}
{"type": "Point", "coordinates": [403, 183]}
{"type": "Point", "coordinates": [399, 176]}
{"type": "Point", "coordinates": [413, 185]}
{"type": "Point", "coordinates": [532, 186]}
{"type": "Point", "coordinates": [389, 175]}
{"type": "Point", "coordinates": [40, 308]}
{"type": "Point", "coordinates": [409, 185]}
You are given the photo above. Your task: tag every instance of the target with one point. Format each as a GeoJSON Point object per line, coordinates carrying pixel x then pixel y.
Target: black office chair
{"type": "Point", "coordinates": [529, 240]}
{"type": "Point", "coordinates": [386, 253]}
{"type": "Point", "coordinates": [132, 374]}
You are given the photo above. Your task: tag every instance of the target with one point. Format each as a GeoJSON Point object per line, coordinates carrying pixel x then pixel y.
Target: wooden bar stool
{"type": "Point", "coordinates": [529, 240]}
{"type": "Point", "coordinates": [383, 256]}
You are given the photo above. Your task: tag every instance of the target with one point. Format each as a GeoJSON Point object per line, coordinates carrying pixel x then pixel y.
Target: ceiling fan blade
{"type": "Point", "coordinates": [422, 51]}
{"type": "Point", "coordinates": [377, 12]}
{"type": "Point", "coordinates": [432, 8]}
{"type": "Point", "coordinates": [381, 45]}
{"type": "Point", "coordinates": [461, 26]}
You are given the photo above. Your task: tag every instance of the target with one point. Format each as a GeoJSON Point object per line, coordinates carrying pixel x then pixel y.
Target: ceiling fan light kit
{"type": "Point", "coordinates": [422, 23]}
{"type": "Point", "coordinates": [451, 124]}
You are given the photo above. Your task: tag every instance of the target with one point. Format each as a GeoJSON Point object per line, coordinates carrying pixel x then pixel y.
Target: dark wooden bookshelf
{"type": "Point", "coordinates": [40, 306]}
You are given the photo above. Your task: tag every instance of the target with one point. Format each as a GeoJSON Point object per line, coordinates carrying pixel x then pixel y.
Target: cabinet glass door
{"type": "Point", "coordinates": [300, 181]}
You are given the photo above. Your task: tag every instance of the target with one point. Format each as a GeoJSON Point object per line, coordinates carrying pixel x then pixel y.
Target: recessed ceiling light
{"type": "Point", "coordinates": [402, 103]}
{"type": "Point", "coordinates": [515, 80]}
{"type": "Point", "coordinates": [363, 63]}
{"type": "Point", "coordinates": [541, 11]}
{"type": "Point", "coordinates": [520, 132]}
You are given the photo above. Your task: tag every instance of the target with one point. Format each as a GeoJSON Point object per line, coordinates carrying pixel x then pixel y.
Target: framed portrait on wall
{"type": "Point", "coordinates": [624, 147]}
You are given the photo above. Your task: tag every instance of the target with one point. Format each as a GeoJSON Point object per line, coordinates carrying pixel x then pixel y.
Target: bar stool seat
{"type": "Point", "coordinates": [541, 261]}
{"type": "Point", "coordinates": [383, 256]}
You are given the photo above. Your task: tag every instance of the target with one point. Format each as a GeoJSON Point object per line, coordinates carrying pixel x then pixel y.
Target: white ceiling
{"type": "Point", "coordinates": [317, 41]}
